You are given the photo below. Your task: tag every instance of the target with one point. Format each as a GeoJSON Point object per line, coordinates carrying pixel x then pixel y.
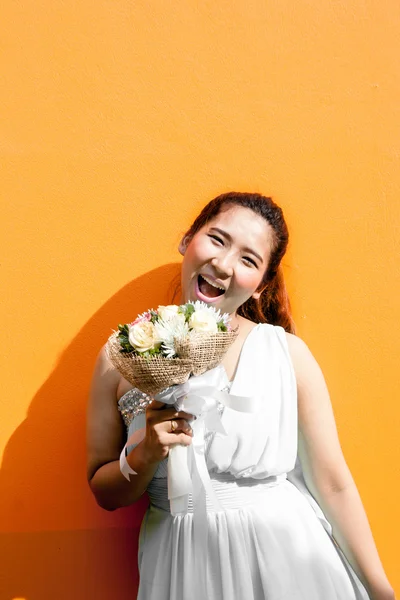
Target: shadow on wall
{"type": "Point", "coordinates": [55, 541]}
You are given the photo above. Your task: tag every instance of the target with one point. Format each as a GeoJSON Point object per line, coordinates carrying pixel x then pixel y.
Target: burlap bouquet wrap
{"type": "Point", "coordinates": [197, 352]}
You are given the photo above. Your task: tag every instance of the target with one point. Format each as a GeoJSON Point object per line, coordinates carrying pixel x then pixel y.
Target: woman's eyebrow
{"type": "Point", "coordinates": [229, 238]}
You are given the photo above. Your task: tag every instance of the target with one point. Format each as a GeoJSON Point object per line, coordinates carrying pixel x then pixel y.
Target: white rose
{"type": "Point", "coordinates": [178, 320]}
{"type": "Point", "coordinates": [143, 336]}
{"type": "Point", "coordinates": [167, 312]}
{"type": "Point", "coordinates": [203, 321]}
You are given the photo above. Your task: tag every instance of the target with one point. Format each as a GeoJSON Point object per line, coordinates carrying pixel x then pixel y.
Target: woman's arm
{"type": "Point", "coordinates": [328, 476]}
{"type": "Point", "coordinates": [105, 440]}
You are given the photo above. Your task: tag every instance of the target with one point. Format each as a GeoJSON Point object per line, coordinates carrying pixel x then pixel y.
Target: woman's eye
{"type": "Point", "coordinates": [215, 237]}
{"type": "Point", "coordinates": [250, 261]}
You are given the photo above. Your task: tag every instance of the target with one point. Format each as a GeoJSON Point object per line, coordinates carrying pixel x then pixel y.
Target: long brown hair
{"type": "Point", "coordinates": [273, 306]}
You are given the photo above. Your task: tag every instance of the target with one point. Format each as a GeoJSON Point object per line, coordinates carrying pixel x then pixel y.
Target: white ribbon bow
{"type": "Point", "coordinates": [187, 469]}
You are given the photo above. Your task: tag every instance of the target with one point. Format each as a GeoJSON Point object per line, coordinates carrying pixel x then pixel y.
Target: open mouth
{"type": "Point", "coordinates": [209, 289]}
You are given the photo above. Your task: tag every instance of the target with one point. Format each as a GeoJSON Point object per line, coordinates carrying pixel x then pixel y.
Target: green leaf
{"type": "Point", "coordinates": [123, 329]}
{"type": "Point", "coordinates": [154, 316]}
{"type": "Point", "coordinates": [189, 311]}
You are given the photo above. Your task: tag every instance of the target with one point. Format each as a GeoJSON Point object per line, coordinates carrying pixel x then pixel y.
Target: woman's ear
{"type": "Point", "coordinates": [183, 244]}
{"type": "Point", "coordinates": [258, 292]}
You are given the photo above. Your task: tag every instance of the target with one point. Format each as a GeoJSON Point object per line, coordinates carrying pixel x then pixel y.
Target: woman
{"type": "Point", "coordinates": [292, 524]}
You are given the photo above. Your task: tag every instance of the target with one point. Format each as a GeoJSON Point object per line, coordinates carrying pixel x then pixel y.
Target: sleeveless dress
{"type": "Point", "coordinates": [271, 541]}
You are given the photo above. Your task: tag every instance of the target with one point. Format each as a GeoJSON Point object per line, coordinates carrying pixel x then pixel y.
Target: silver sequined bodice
{"type": "Point", "coordinates": [131, 404]}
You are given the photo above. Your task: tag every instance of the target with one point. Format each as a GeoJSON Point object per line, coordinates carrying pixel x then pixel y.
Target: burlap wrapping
{"type": "Point", "coordinates": [198, 353]}
{"type": "Point", "coordinates": [205, 350]}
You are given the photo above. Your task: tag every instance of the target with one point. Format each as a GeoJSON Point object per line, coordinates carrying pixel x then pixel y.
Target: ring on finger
{"type": "Point", "coordinates": [174, 425]}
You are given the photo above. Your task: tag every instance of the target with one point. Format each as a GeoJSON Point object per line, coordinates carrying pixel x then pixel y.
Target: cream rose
{"type": "Point", "coordinates": [168, 312]}
{"type": "Point", "coordinates": [203, 321]}
{"type": "Point", "coordinates": [143, 336]}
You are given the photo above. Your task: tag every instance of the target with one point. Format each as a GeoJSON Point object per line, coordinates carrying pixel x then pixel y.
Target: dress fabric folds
{"type": "Point", "coordinates": [271, 540]}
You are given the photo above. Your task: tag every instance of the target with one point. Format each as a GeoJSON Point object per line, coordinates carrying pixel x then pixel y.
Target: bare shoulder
{"type": "Point", "coordinates": [304, 362]}
{"type": "Point", "coordinates": [103, 364]}
{"type": "Point", "coordinates": [295, 343]}
{"type": "Point", "coordinates": [105, 382]}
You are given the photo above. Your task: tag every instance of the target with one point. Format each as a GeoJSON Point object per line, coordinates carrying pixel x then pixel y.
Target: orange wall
{"type": "Point", "coordinates": [119, 120]}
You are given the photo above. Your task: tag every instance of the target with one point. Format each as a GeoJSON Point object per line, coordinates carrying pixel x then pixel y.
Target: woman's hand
{"type": "Point", "coordinates": [165, 427]}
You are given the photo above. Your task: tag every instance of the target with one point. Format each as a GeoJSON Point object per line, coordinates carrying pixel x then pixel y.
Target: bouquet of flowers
{"type": "Point", "coordinates": [164, 347]}
{"type": "Point", "coordinates": [158, 354]}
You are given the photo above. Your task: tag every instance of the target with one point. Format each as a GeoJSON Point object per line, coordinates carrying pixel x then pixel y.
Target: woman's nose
{"type": "Point", "coordinates": [223, 265]}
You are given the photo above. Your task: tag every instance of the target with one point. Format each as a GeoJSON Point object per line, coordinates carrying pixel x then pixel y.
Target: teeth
{"type": "Point", "coordinates": [219, 287]}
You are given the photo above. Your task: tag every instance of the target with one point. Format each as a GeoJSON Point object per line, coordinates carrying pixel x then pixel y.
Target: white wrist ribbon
{"type": "Point", "coordinates": [133, 440]}
{"type": "Point", "coordinates": [124, 466]}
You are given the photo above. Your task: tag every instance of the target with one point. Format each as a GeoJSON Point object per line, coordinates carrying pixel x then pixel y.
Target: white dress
{"type": "Point", "coordinates": [271, 541]}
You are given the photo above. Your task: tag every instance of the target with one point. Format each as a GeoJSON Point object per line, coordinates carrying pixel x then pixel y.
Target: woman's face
{"type": "Point", "coordinates": [225, 261]}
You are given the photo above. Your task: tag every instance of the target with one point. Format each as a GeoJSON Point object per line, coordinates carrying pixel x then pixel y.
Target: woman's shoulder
{"type": "Point", "coordinates": [296, 344]}
{"type": "Point", "coordinates": [292, 340]}
{"type": "Point", "coordinates": [107, 376]}
{"type": "Point", "coordinates": [104, 365]}
{"type": "Point", "coordinates": [293, 344]}
{"type": "Point", "coordinates": [304, 362]}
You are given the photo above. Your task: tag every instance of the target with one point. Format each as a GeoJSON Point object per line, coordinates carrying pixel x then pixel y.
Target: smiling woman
{"type": "Point", "coordinates": [219, 265]}
{"type": "Point", "coordinates": [282, 518]}
{"type": "Point", "coordinates": [249, 230]}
